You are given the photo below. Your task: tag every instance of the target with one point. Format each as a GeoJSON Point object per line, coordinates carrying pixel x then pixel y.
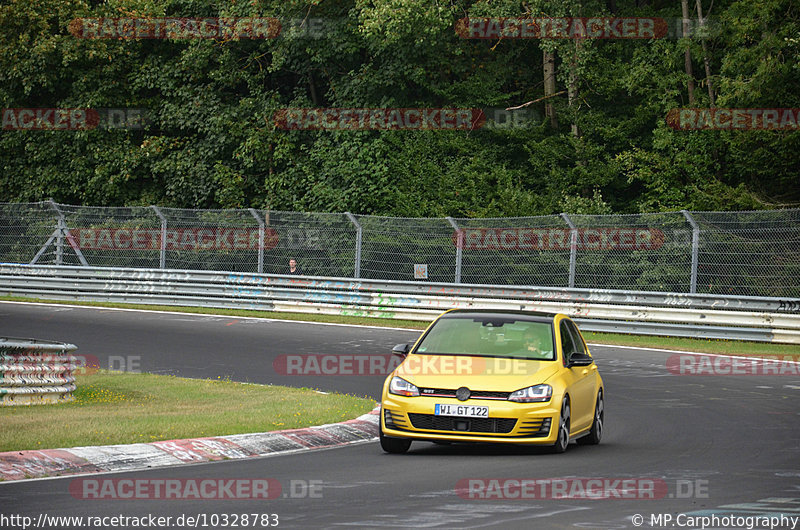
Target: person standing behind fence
{"type": "Point", "coordinates": [293, 268]}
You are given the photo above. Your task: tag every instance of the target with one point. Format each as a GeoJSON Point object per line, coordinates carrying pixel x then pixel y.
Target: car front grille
{"type": "Point", "coordinates": [450, 423]}
{"type": "Point", "coordinates": [474, 394]}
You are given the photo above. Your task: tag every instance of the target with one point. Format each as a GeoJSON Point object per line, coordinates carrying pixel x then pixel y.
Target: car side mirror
{"type": "Point", "coordinates": [580, 359]}
{"type": "Point", "coordinates": [401, 350]}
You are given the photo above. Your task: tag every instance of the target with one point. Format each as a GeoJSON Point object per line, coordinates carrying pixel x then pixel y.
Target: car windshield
{"type": "Point", "coordinates": [490, 336]}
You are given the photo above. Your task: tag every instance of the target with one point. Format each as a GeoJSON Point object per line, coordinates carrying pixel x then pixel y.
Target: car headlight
{"type": "Point", "coordinates": [532, 394]}
{"type": "Point", "coordinates": [401, 387]}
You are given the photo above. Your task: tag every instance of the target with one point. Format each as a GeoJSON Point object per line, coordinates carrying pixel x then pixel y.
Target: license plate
{"type": "Point", "coordinates": [465, 411]}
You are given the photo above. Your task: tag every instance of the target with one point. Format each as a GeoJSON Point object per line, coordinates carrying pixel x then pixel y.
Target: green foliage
{"type": "Point", "coordinates": [211, 140]}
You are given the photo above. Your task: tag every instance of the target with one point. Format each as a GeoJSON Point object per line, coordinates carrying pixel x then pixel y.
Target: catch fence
{"type": "Point", "coordinates": [749, 253]}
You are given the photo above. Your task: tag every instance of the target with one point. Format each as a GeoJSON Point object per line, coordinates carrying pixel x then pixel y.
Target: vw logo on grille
{"type": "Point", "coordinates": [463, 393]}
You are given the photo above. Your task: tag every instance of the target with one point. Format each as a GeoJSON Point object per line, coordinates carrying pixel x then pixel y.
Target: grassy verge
{"type": "Point", "coordinates": [303, 317]}
{"type": "Point", "coordinates": [726, 347]}
{"type": "Point", "coordinates": [722, 347]}
{"type": "Point", "coordinates": [122, 408]}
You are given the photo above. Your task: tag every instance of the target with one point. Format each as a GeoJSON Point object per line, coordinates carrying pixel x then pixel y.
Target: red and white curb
{"type": "Point", "coordinates": [21, 465]}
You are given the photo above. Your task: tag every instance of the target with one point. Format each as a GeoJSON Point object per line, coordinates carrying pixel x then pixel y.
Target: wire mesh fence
{"type": "Point", "coordinates": [392, 246]}
{"type": "Point", "coordinates": [744, 253]}
{"type": "Point", "coordinates": [651, 251]}
{"type": "Point", "coordinates": [519, 250]}
{"type": "Point", "coordinates": [749, 253]}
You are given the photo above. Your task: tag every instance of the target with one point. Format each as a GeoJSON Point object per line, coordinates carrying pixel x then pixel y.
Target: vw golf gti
{"type": "Point", "coordinates": [494, 377]}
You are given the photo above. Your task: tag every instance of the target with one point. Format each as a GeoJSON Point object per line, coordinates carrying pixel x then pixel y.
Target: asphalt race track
{"type": "Point", "coordinates": [719, 444]}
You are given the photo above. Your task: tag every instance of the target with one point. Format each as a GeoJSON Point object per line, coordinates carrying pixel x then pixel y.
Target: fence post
{"type": "Point", "coordinates": [573, 248]}
{"type": "Point", "coordinates": [61, 231]}
{"type": "Point", "coordinates": [695, 250]}
{"type": "Point", "coordinates": [61, 224]}
{"type": "Point", "coordinates": [260, 239]}
{"type": "Point", "coordinates": [357, 272]}
{"type": "Point", "coordinates": [459, 246]}
{"type": "Point", "coordinates": [162, 261]}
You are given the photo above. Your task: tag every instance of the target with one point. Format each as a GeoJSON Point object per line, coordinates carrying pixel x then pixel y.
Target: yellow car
{"type": "Point", "coordinates": [494, 376]}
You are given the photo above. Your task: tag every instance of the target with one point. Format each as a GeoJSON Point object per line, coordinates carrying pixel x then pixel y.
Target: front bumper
{"type": "Point", "coordinates": [508, 422]}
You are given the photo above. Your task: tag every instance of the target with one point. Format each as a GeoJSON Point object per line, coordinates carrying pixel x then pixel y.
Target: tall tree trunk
{"type": "Point", "coordinates": [312, 87]}
{"type": "Point", "coordinates": [687, 55]}
{"type": "Point", "coordinates": [549, 70]}
{"type": "Point", "coordinates": [705, 56]}
{"type": "Point", "coordinates": [575, 10]}
{"type": "Point", "coordinates": [572, 89]}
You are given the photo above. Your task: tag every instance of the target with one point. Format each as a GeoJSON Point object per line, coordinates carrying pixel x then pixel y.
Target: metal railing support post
{"type": "Point", "coordinates": [695, 250]}
{"type": "Point", "coordinates": [573, 248]}
{"type": "Point", "coordinates": [261, 231]}
{"type": "Point", "coordinates": [359, 231]}
{"type": "Point", "coordinates": [162, 260]}
{"type": "Point", "coordinates": [60, 242]}
{"type": "Point", "coordinates": [459, 247]}
{"type": "Point", "coordinates": [61, 232]}
{"type": "Point", "coordinates": [60, 224]}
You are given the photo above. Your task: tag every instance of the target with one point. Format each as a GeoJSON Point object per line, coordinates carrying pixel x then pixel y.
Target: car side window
{"type": "Point", "coordinates": [580, 345]}
{"type": "Point", "coordinates": [567, 343]}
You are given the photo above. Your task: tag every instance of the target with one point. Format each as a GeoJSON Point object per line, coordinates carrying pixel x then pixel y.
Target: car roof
{"type": "Point", "coordinates": [488, 313]}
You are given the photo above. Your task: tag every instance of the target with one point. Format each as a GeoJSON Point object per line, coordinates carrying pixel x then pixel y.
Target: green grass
{"type": "Point", "coordinates": [122, 408]}
{"type": "Point", "coordinates": [727, 347]}
{"type": "Point", "coordinates": [723, 347]}
{"type": "Point", "coordinates": [304, 317]}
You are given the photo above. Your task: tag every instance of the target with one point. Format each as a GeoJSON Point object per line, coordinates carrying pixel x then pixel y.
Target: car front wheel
{"type": "Point", "coordinates": [563, 429]}
{"type": "Point", "coordinates": [394, 445]}
{"type": "Point", "coordinates": [596, 433]}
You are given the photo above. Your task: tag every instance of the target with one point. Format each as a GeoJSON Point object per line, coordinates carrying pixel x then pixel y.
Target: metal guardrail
{"type": "Point", "coordinates": [677, 314]}
{"type": "Point", "coordinates": [34, 372]}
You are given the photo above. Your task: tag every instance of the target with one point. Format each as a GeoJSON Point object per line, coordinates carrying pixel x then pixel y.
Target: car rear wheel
{"type": "Point", "coordinates": [596, 433]}
{"type": "Point", "coordinates": [394, 445]}
{"type": "Point", "coordinates": [563, 429]}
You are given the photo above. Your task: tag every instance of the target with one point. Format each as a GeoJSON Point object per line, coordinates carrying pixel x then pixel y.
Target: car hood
{"type": "Point", "coordinates": [475, 373]}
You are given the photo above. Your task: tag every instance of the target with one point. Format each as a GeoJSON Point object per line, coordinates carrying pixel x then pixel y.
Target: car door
{"type": "Point", "coordinates": [582, 378]}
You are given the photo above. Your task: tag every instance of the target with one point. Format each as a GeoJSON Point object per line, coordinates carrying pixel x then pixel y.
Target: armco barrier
{"type": "Point", "coordinates": [705, 316]}
{"type": "Point", "coordinates": [35, 372]}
